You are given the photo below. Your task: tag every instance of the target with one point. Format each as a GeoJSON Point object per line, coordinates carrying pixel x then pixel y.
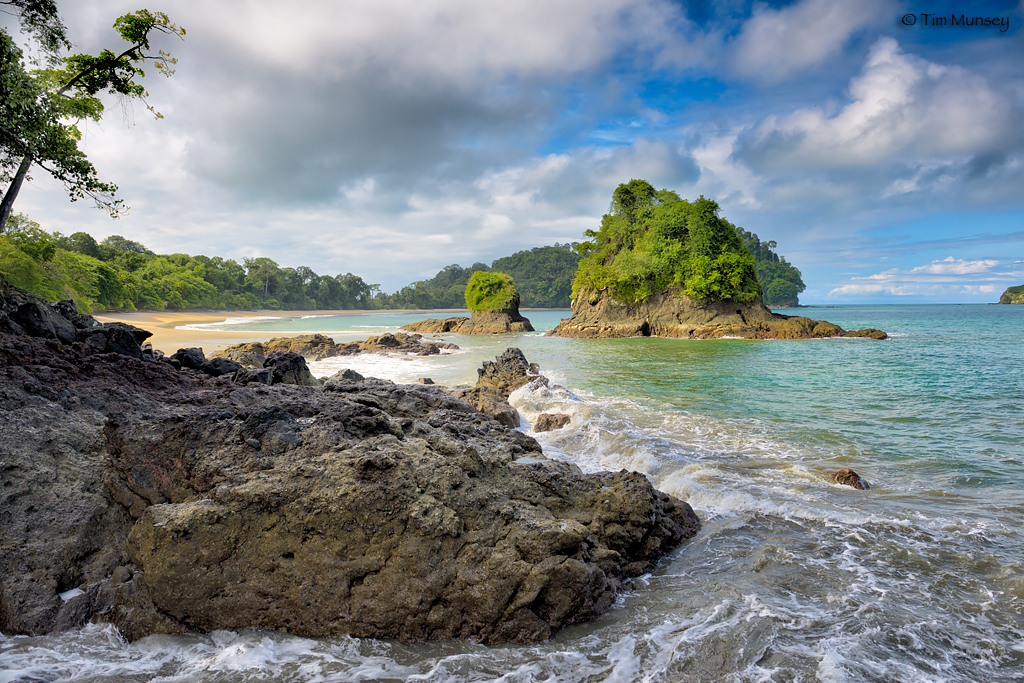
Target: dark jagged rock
{"type": "Point", "coordinates": [496, 380]}
{"type": "Point", "coordinates": [344, 375]}
{"type": "Point", "coordinates": [177, 501]}
{"type": "Point", "coordinates": [547, 422]}
{"type": "Point", "coordinates": [191, 358]}
{"type": "Point", "coordinates": [672, 314]}
{"type": "Point", "coordinates": [507, 372]}
{"type": "Point", "coordinates": [22, 312]}
{"type": "Point", "coordinates": [848, 477]}
{"type": "Point", "coordinates": [290, 368]}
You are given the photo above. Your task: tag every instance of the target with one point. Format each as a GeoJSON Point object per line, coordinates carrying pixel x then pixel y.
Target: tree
{"type": "Point", "coordinates": [40, 19]}
{"type": "Point", "coordinates": [123, 244]}
{"type": "Point", "coordinates": [653, 242]}
{"type": "Point", "coordinates": [34, 106]}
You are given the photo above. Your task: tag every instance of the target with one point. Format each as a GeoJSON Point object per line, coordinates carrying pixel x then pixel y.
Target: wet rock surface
{"type": "Point", "coordinates": [669, 314]}
{"type": "Point", "coordinates": [318, 347]}
{"type": "Point", "coordinates": [496, 381]}
{"type": "Point", "coordinates": [547, 422]}
{"type": "Point", "coordinates": [848, 477]}
{"type": "Point", "coordinates": [177, 501]}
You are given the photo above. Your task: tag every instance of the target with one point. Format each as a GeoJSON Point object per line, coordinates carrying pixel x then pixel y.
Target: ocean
{"type": "Point", "coordinates": [792, 578]}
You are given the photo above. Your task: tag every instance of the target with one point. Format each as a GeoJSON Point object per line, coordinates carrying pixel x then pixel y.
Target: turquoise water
{"type": "Point", "coordinates": [792, 578]}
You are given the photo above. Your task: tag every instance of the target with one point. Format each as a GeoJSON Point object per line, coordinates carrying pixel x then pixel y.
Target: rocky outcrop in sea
{"type": "Point", "coordinates": [163, 499]}
{"type": "Point", "coordinates": [317, 347]}
{"type": "Point", "coordinates": [1013, 295]}
{"type": "Point", "coordinates": [502, 319]}
{"type": "Point", "coordinates": [671, 314]}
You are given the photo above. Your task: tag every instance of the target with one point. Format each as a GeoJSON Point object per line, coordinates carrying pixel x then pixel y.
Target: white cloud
{"type": "Point", "coordinates": [777, 42]}
{"type": "Point", "coordinates": [952, 266]}
{"type": "Point", "coordinates": [949, 277]}
{"type": "Point", "coordinates": [904, 110]}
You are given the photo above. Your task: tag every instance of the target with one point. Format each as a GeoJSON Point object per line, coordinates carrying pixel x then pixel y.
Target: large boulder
{"type": "Point", "coordinates": [673, 314]}
{"type": "Point", "coordinates": [496, 380]}
{"type": "Point", "coordinates": [165, 501]}
{"type": "Point", "coordinates": [290, 368]}
{"type": "Point", "coordinates": [22, 312]}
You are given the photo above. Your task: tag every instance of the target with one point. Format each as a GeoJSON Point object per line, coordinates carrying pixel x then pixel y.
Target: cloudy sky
{"type": "Point", "coordinates": [390, 138]}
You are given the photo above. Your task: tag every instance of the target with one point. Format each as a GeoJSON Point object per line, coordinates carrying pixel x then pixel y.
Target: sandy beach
{"type": "Point", "coordinates": [167, 338]}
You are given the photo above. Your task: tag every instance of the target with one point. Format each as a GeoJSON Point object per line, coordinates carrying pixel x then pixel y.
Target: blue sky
{"type": "Point", "coordinates": [883, 153]}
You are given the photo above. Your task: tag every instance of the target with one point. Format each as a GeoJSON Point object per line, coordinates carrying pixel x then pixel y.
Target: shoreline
{"type": "Point", "coordinates": [168, 338]}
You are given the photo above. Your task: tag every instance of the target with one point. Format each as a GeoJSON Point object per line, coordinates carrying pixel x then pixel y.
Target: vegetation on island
{"type": "Point", "coordinates": [1013, 295]}
{"type": "Point", "coordinates": [487, 292]}
{"type": "Point", "coordinates": [652, 241]}
{"type": "Point", "coordinates": [781, 282]}
{"type": "Point", "coordinates": [543, 277]}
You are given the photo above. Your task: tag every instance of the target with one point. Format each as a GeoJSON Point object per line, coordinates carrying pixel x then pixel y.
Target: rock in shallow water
{"type": "Point", "coordinates": [848, 477]}
{"type": "Point", "coordinates": [547, 422]}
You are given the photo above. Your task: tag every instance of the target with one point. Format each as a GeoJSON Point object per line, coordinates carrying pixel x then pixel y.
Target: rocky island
{"type": "Point", "coordinates": [493, 303]}
{"type": "Point", "coordinates": [1013, 295]}
{"type": "Point", "coordinates": [138, 490]}
{"type": "Point", "coordinates": [666, 267]}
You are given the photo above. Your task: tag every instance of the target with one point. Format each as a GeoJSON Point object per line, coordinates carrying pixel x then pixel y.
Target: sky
{"type": "Point", "coordinates": [880, 149]}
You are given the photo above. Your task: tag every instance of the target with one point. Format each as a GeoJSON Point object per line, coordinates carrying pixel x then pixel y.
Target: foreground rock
{"type": "Point", "coordinates": [668, 314]}
{"type": "Point", "coordinates": [496, 381]}
{"type": "Point", "coordinates": [166, 501]}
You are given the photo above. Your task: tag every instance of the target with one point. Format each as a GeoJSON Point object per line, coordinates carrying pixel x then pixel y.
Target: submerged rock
{"type": "Point", "coordinates": [547, 422]}
{"type": "Point", "coordinates": [848, 477]}
{"type": "Point", "coordinates": [672, 314]}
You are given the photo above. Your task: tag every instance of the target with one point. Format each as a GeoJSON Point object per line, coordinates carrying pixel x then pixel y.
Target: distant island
{"type": "Point", "coordinates": [1013, 295]}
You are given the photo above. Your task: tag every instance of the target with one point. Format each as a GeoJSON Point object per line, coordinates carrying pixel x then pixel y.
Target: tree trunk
{"type": "Point", "coordinates": [12, 192]}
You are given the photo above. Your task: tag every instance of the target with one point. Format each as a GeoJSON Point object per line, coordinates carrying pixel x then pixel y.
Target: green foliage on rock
{"type": "Point", "coordinates": [780, 280]}
{"type": "Point", "coordinates": [490, 292]}
{"type": "Point", "coordinates": [1013, 295]}
{"type": "Point", "coordinates": [651, 241]}
{"type": "Point", "coordinates": [543, 277]}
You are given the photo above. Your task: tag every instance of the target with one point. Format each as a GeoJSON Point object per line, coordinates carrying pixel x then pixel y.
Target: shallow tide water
{"type": "Point", "coordinates": [793, 578]}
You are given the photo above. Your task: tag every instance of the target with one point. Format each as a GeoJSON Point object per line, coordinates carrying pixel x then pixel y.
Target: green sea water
{"type": "Point", "coordinates": [793, 578]}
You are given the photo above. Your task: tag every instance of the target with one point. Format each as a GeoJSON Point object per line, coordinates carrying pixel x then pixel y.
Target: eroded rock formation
{"type": "Point", "coordinates": [669, 314]}
{"type": "Point", "coordinates": [166, 500]}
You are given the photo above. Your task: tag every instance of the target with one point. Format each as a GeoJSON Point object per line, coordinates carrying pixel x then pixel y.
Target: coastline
{"type": "Point", "coordinates": [168, 338]}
